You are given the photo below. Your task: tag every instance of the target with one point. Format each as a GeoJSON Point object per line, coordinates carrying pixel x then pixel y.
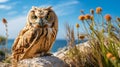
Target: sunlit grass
{"type": "Point", "coordinates": [104, 40]}
{"type": "Point", "coordinates": [2, 40]}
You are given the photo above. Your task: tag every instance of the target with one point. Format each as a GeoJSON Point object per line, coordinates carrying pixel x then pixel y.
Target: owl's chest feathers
{"type": "Point", "coordinates": [38, 34]}
{"type": "Point", "coordinates": [41, 39]}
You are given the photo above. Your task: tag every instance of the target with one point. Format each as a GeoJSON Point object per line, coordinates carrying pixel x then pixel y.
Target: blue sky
{"type": "Point", "coordinates": [15, 11]}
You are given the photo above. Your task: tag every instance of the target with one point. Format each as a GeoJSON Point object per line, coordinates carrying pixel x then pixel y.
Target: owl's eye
{"type": "Point", "coordinates": [48, 17]}
{"type": "Point", "coordinates": [34, 17]}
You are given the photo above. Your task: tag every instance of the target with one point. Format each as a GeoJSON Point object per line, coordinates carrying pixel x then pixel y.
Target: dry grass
{"type": "Point", "coordinates": [104, 40]}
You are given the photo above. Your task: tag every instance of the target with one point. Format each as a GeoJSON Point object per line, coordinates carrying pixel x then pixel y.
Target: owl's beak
{"type": "Point", "coordinates": [40, 22]}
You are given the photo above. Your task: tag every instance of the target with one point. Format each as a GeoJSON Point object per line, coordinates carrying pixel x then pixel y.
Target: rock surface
{"type": "Point", "coordinates": [5, 64]}
{"type": "Point", "coordinates": [82, 46]}
{"type": "Point", "coordinates": [57, 60]}
{"type": "Point", "coordinates": [46, 61]}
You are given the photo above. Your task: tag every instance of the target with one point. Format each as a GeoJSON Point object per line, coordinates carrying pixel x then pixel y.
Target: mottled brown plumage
{"type": "Point", "coordinates": [38, 36]}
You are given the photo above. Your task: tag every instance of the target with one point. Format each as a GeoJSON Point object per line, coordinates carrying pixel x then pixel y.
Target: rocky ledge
{"type": "Point", "coordinates": [57, 60]}
{"type": "Point", "coordinates": [46, 61]}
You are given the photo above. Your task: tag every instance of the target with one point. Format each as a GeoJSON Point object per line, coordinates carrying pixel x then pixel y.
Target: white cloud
{"type": "Point", "coordinates": [14, 3]}
{"type": "Point", "coordinates": [3, 1]}
{"type": "Point", "coordinates": [8, 6]}
{"type": "Point", "coordinates": [5, 7]}
{"type": "Point", "coordinates": [65, 8]}
{"type": "Point", "coordinates": [62, 9]}
{"type": "Point", "coordinates": [15, 25]}
{"type": "Point", "coordinates": [66, 4]}
{"type": "Point", "coordinates": [12, 13]}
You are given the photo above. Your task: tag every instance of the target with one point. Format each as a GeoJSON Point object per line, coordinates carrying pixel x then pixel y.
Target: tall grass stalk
{"type": "Point", "coordinates": [6, 29]}
{"type": "Point", "coordinates": [104, 41]}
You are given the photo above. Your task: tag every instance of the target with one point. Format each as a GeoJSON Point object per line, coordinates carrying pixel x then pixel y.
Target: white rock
{"type": "Point", "coordinates": [46, 61]}
{"type": "Point", "coordinates": [82, 46]}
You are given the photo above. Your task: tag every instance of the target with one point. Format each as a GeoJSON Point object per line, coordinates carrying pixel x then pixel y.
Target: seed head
{"type": "Point", "coordinates": [81, 37]}
{"type": "Point", "coordinates": [98, 10]}
{"type": "Point", "coordinates": [91, 11]}
{"type": "Point", "coordinates": [118, 19]}
{"type": "Point", "coordinates": [81, 17]}
{"type": "Point", "coordinates": [109, 55]}
{"type": "Point", "coordinates": [87, 16]}
{"type": "Point", "coordinates": [107, 17]}
{"type": "Point", "coordinates": [4, 20]}
{"type": "Point", "coordinates": [113, 58]}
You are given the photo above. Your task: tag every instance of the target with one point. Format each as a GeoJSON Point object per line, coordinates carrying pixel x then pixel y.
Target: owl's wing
{"type": "Point", "coordinates": [23, 47]}
{"type": "Point", "coordinates": [25, 37]}
{"type": "Point", "coordinates": [19, 37]}
{"type": "Point", "coordinates": [23, 42]}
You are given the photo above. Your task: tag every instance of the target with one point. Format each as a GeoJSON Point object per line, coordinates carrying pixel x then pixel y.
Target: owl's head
{"type": "Point", "coordinates": [42, 17]}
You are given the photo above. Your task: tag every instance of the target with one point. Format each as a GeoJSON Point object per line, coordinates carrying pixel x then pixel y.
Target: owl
{"type": "Point", "coordinates": [38, 35]}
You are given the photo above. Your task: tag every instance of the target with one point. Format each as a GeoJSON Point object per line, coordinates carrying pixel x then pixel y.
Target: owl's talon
{"type": "Point", "coordinates": [43, 54]}
{"type": "Point", "coordinates": [48, 54]}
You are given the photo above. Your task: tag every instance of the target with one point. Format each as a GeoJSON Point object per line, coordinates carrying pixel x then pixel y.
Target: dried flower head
{"type": "Point", "coordinates": [113, 58]}
{"type": "Point", "coordinates": [98, 10]}
{"type": "Point", "coordinates": [4, 20]}
{"type": "Point", "coordinates": [109, 55]}
{"type": "Point", "coordinates": [91, 11]}
{"type": "Point", "coordinates": [118, 19]}
{"type": "Point", "coordinates": [81, 17]}
{"type": "Point", "coordinates": [81, 37]}
{"type": "Point", "coordinates": [87, 16]}
{"type": "Point", "coordinates": [77, 25]}
{"type": "Point", "coordinates": [107, 17]}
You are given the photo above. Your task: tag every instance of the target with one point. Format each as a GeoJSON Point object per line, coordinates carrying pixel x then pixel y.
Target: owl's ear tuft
{"type": "Point", "coordinates": [49, 8]}
{"type": "Point", "coordinates": [33, 7]}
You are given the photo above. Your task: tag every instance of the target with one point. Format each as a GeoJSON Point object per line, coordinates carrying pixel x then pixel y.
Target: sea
{"type": "Point", "coordinates": [58, 44]}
